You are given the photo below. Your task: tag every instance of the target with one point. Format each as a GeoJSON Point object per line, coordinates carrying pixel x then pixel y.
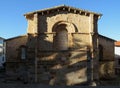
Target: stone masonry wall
{"type": "Point", "coordinates": [62, 68]}
{"type": "Point", "coordinates": [13, 46]}
{"type": "Point", "coordinates": [47, 22]}
{"type": "Point", "coordinates": [56, 67]}
{"type": "Point", "coordinates": [13, 59]}
{"type": "Point", "coordinates": [108, 48]}
{"type": "Point", "coordinates": [107, 64]}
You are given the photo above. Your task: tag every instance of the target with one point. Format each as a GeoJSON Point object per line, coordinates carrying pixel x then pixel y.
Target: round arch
{"type": "Point", "coordinates": [70, 27]}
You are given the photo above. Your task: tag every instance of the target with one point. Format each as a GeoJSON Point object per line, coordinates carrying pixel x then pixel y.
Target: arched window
{"type": "Point", "coordinates": [60, 39]}
{"type": "Point", "coordinates": [100, 52]}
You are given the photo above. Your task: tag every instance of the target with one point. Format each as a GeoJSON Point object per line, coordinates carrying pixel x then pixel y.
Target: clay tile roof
{"type": "Point", "coordinates": [117, 43]}
{"type": "Point", "coordinates": [16, 37]}
{"type": "Point", "coordinates": [60, 7]}
{"type": "Point", "coordinates": [106, 37]}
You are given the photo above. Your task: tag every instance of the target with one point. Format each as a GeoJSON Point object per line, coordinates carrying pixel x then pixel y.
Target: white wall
{"type": "Point", "coordinates": [117, 51]}
{"type": "Point", "coordinates": [117, 56]}
{"type": "Point", "coordinates": [2, 56]}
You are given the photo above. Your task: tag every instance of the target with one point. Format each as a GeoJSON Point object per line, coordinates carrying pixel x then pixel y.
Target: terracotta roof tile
{"type": "Point", "coordinates": [117, 43]}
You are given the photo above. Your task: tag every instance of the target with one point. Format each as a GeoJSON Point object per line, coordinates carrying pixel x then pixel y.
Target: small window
{"type": "Point", "coordinates": [23, 52]}
{"type": "Point", "coordinates": [118, 61]}
{"type": "Point", "coordinates": [100, 52]}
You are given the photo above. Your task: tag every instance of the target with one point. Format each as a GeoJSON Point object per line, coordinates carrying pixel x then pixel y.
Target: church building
{"type": "Point", "coordinates": [62, 46]}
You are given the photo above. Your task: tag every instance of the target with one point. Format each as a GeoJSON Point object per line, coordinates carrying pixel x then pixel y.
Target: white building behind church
{"type": "Point", "coordinates": [117, 57]}
{"type": "Point", "coordinates": [2, 54]}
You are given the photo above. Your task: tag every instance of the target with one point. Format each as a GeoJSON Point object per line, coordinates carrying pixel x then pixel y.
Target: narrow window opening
{"type": "Point", "coordinates": [100, 52]}
{"type": "Point", "coordinates": [118, 61]}
{"type": "Point", "coordinates": [23, 52]}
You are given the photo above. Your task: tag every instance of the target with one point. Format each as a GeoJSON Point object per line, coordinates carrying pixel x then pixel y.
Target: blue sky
{"type": "Point", "coordinates": [13, 23]}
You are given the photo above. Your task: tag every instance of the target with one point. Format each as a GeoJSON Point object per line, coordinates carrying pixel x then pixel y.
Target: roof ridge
{"type": "Point", "coordinates": [62, 5]}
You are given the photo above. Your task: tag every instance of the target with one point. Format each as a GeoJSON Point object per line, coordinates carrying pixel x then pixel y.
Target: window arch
{"type": "Point", "coordinates": [70, 27]}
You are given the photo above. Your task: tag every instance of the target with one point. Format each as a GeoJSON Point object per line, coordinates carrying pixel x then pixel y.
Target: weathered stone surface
{"type": "Point", "coordinates": [61, 49]}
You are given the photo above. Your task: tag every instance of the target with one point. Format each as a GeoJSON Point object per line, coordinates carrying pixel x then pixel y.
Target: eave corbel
{"type": "Point", "coordinates": [74, 11]}
{"type": "Point", "coordinates": [58, 10]}
{"type": "Point", "coordinates": [48, 12]}
{"type": "Point", "coordinates": [69, 9]}
{"type": "Point", "coordinates": [42, 13]}
{"type": "Point", "coordinates": [63, 8]}
{"type": "Point", "coordinates": [80, 12]}
{"type": "Point", "coordinates": [30, 16]}
{"type": "Point", "coordinates": [85, 14]}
